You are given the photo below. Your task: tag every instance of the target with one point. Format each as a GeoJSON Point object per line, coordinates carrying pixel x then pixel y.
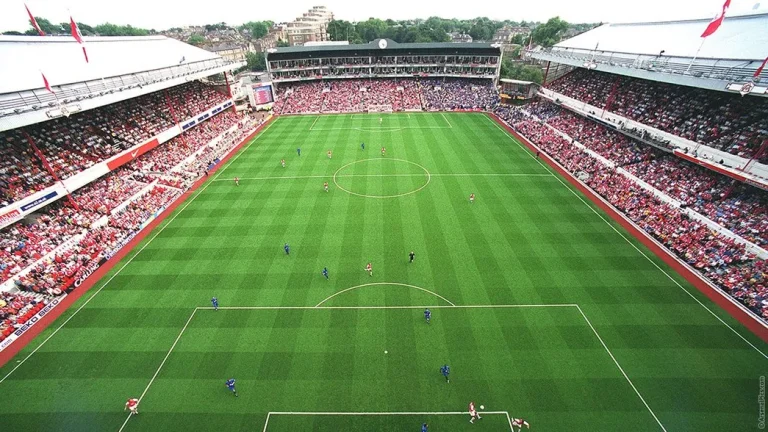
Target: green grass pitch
{"type": "Point", "coordinates": [542, 307]}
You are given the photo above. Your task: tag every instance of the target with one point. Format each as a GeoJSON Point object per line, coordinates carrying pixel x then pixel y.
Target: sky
{"type": "Point", "coordinates": [163, 14]}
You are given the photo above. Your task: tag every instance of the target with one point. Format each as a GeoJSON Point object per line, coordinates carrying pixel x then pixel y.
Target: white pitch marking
{"type": "Point", "coordinates": [132, 258]}
{"type": "Point", "coordinates": [620, 368]}
{"type": "Point", "coordinates": [446, 120]}
{"type": "Point", "coordinates": [429, 178]}
{"type": "Point", "coordinates": [420, 413]}
{"type": "Point", "coordinates": [389, 307]}
{"type": "Point", "coordinates": [396, 175]}
{"type": "Point", "coordinates": [386, 283]}
{"type": "Point", "coordinates": [633, 245]}
{"type": "Point", "coordinates": [313, 123]}
{"type": "Point", "coordinates": [157, 372]}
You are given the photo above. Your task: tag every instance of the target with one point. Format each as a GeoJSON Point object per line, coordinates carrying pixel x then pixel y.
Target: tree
{"type": "Point", "coordinates": [340, 30]}
{"type": "Point", "coordinates": [550, 32]}
{"type": "Point", "coordinates": [45, 25]}
{"type": "Point", "coordinates": [196, 40]}
{"type": "Point", "coordinates": [517, 39]}
{"type": "Point", "coordinates": [520, 71]}
{"type": "Point", "coordinates": [483, 29]}
{"type": "Point", "coordinates": [255, 61]}
{"type": "Point", "coordinates": [257, 29]}
{"type": "Point", "coordinates": [281, 43]}
{"type": "Point", "coordinates": [372, 29]}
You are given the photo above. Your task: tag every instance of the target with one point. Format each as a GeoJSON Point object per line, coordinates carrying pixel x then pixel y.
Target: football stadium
{"type": "Point", "coordinates": [386, 236]}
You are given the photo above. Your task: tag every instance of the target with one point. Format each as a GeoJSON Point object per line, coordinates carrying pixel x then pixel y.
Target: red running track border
{"type": "Point", "coordinates": [23, 340]}
{"type": "Point", "coordinates": [741, 314]}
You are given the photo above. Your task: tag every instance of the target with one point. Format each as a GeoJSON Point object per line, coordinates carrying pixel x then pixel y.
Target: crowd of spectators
{"type": "Point", "coordinates": [718, 257]}
{"type": "Point", "coordinates": [459, 94]}
{"type": "Point", "coordinates": [26, 247]}
{"type": "Point", "coordinates": [358, 95]}
{"type": "Point", "coordinates": [725, 121]}
{"type": "Point", "coordinates": [72, 144]}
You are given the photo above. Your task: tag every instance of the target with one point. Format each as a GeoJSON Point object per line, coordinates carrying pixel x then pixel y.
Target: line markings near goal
{"type": "Point", "coordinates": [451, 306]}
{"type": "Point", "coordinates": [380, 414]}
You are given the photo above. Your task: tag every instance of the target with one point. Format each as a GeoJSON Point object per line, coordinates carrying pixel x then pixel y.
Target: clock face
{"type": "Point", "coordinates": [382, 43]}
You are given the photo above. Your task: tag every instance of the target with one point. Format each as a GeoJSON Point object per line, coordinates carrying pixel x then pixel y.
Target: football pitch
{"type": "Point", "coordinates": [543, 307]}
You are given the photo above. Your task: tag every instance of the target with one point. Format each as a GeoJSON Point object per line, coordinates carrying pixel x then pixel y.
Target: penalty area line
{"type": "Point", "coordinates": [642, 399]}
{"type": "Point", "coordinates": [375, 413]}
{"type": "Point", "coordinates": [157, 372]}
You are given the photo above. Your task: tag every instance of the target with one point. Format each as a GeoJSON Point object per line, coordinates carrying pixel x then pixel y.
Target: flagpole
{"type": "Point", "coordinates": [695, 55]}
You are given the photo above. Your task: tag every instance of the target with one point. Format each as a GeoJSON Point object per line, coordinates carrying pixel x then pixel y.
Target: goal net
{"type": "Point", "coordinates": [385, 108]}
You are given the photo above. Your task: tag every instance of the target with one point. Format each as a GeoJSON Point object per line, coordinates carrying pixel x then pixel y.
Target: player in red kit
{"type": "Point", "coordinates": [473, 413]}
{"type": "Point", "coordinates": [369, 269]}
{"type": "Point", "coordinates": [132, 405]}
{"type": "Point", "coordinates": [325, 186]}
{"type": "Point", "coordinates": [237, 181]}
{"type": "Point", "coordinates": [520, 423]}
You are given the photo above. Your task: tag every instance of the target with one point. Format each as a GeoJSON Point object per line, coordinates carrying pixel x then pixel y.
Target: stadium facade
{"type": "Point", "coordinates": [384, 58]}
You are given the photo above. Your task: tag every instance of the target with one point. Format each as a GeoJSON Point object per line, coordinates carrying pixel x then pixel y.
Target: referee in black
{"type": "Point", "coordinates": [411, 256]}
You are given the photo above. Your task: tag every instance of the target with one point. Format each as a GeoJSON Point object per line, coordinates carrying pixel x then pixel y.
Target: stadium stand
{"type": "Point", "coordinates": [73, 144]}
{"type": "Point", "coordinates": [724, 121]}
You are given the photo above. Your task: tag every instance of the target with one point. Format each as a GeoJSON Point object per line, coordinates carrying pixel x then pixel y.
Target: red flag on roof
{"type": "Point", "coordinates": [45, 81]}
{"type": "Point", "coordinates": [79, 36]}
{"type": "Point", "coordinates": [760, 69]}
{"type": "Point", "coordinates": [715, 23]}
{"type": "Point", "coordinates": [34, 21]}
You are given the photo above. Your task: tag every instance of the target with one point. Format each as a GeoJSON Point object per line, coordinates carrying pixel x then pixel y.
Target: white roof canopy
{"type": "Point", "coordinates": [742, 37]}
{"type": "Point", "coordinates": [61, 58]}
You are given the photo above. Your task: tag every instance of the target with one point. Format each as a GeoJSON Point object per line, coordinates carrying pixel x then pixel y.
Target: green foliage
{"type": "Point", "coordinates": [13, 33]}
{"type": "Point", "coordinates": [281, 43]}
{"type": "Point", "coordinates": [550, 33]}
{"type": "Point", "coordinates": [105, 29]}
{"type": "Point", "coordinates": [255, 61]}
{"type": "Point", "coordinates": [340, 30]}
{"type": "Point", "coordinates": [483, 29]}
{"type": "Point", "coordinates": [521, 71]}
{"type": "Point", "coordinates": [218, 26]}
{"type": "Point", "coordinates": [518, 39]}
{"type": "Point", "coordinates": [257, 29]}
{"type": "Point", "coordinates": [108, 29]}
{"type": "Point", "coordinates": [196, 40]}
{"type": "Point", "coordinates": [47, 27]}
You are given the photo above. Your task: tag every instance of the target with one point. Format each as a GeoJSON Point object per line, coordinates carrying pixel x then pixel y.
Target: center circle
{"type": "Point", "coordinates": [383, 175]}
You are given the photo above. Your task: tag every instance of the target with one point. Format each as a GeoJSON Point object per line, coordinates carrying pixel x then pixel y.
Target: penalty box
{"type": "Point", "coordinates": [307, 368]}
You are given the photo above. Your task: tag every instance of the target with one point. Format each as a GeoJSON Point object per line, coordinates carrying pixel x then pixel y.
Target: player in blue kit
{"type": "Point", "coordinates": [298, 151]}
{"type": "Point", "coordinates": [325, 272]}
{"type": "Point", "coordinates": [362, 146]}
{"type": "Point", "coordinates": [424, 427]}
{"type": "Point", "coordinates": [446, 370]}
{"type": "Point", "coordinates": [215, 303]}
{"type": "Point", "coordinates": [287, 249]}
{"type": "Point", "coordinates": [427, 315]}
{"type": "Point", "coordinates": [231, 385]}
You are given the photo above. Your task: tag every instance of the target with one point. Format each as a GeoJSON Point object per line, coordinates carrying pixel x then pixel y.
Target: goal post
{"type": "Point", "coordinates": [380, 108]}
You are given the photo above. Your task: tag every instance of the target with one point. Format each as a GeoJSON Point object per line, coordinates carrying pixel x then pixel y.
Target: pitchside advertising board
{"type": "Point", "coordinates": [27, 325]}
{"type": "Point", "coordinates": [261, 94]}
